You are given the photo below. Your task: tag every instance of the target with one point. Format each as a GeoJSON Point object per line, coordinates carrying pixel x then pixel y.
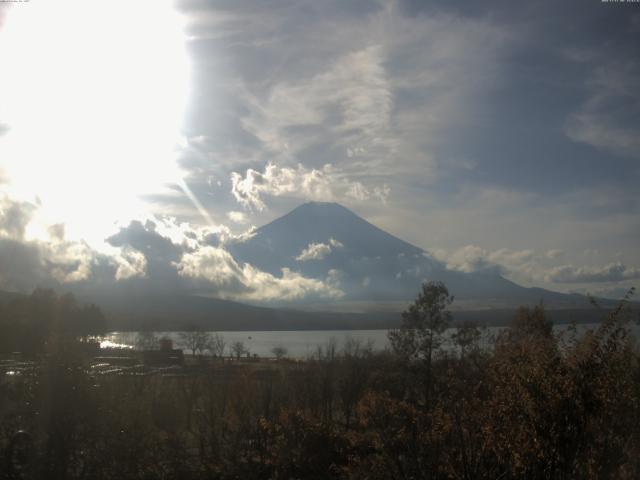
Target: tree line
{"type": "Point", "coordinates": [30, 324]}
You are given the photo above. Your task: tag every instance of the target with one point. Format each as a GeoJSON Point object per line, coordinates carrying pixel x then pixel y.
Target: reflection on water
{"type": "Point", "coordinates": [107, 343]}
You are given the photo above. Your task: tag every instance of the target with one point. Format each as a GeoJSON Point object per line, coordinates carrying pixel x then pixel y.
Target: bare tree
{"type": "Point", "coordinates": [217, 345]}
{"type": "Point", "coordinates": [197, 341]}
{"type": "Point", "coordinates": [329, 351]}
{"type": "Point", "coordinates": [358, 348]}
{"type": "Point", "coordinates": [238, 348]}
{"type": "Point", "coordinates": [279, 351]}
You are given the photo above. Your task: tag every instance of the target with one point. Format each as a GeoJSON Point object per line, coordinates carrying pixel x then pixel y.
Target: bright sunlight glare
{"type": "Point", "coordinates": [93, 96]}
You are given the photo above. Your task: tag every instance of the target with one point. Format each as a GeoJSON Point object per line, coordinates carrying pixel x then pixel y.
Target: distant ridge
{"type": "Point", "coordinates": [131, 312]}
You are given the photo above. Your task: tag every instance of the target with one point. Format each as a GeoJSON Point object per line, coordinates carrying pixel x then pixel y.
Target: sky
{"type": "Point", "coordinates": [487, 133]}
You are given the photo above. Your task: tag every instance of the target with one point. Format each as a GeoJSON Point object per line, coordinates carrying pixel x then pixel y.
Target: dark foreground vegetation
{"type": "Point", "coordinates": [534, 406]}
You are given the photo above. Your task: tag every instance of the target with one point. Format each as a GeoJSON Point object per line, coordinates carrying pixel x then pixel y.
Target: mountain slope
{"type": "Point", "coordinates": [278, 243]}
{"type": "Point", "coordinates": [329, 242]}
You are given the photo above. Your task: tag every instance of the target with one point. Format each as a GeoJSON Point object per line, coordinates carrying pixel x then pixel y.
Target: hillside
{"type": "Point", "coordinates": [372, 265]}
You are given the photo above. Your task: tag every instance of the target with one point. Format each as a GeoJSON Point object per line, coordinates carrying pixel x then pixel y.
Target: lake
{"type": "Point", "coordinates": [304, 343]}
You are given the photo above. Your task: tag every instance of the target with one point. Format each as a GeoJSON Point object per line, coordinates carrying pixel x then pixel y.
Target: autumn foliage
{"type": "Point", "coordinates": [533, 404]}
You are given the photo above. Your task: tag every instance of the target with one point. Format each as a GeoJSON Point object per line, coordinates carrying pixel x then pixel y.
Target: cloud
{"type": "Point", "coordinates": [608, 118]}
{"type": "Point", "coordinates": [385, 100]}
{"type": "Point", "coordinates": [155, 255]}
{"type": "Point", "coordinates": [14, 217]}
{"type": "Point", "coordinates": [130, 264]}
{"type": "Point", "coordinates": [237, 217]}
{"type": "Point", "coordinates": [325, 184]}
{"type": "Point", "coordinates": [70, 262]}
{"type": "Point", "coordinates": [25, 263]}
{"type": "Point", "coordinates": [554, 253]}
{"type": "Point", "coordinates": [472, 258]}
{"type": "Point", "coordinates": [528, 266]}
{"type": "Point", "coordinates": [318, 251]}
{"type": "Point", "coordinates": [355, 88]}
{"type": "Point", "coordinates": [215, 270]}
{"type": "Point", "coordinates": [315, 251]}
{"type": "Point", "coordinates": [374, 94]}
{"type": "Point", "coordinates": [147, 240]}
{"type": "Point", "coordinates": [193, 259]}
{"type": "Point", "coordinates": [614, 272]}
{"type": "Point", "coordinates": [524, 264]}
{"type": "Point", "coordinates": [22, 267]}
{"type": "Point", "coordinates": [396, 108]}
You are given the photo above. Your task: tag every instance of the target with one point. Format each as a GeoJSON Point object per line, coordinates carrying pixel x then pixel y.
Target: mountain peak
{"type": "Point", "coordinates": [321, 208]}
{"type": "Point", "coordinates": [318, 222]}
{"type": "Point", "coordinates": [318, 205]}
{"type": "Point", "coordinates": [366, 262]}
{"type": "Point", "coordinates": [280, 242]}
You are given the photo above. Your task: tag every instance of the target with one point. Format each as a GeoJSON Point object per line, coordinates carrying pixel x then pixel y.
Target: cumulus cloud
{"type": "Point", "coordinates": [325, 184]}
{"type": "Point", "coordinates": [28, 262]}
{"type": "Point", "coordinates": [130, 264]}
{"type": "Point", "coordinates": [614, 272]}
{"type": "Point", "coordinates": [315, 251]}
{"type": "Point", "coordinates": [180, 256]}
{"type": "Point", "coordinates": [215, 269]}
{"type": "Point", "coordinates": [14, 217]}
{"type": "Point", "coordinates": [472, 258]}
{"type": "Point", "coordinates": [237, 217]}
{"type": "Point", "coordinates": [70, 262]}
{"type": "Point", "coordinates": [158, 254]}
{"type": "Point", "coordinates": [318, 251]}
{"type": "Point", "coordinates": [530, 267]}
{"type": "Point", "coordinates": [22, 266]}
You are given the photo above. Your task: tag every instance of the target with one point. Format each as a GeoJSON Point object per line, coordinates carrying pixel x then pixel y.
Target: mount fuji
{"type": "Point", "coordinates": [330, 242]}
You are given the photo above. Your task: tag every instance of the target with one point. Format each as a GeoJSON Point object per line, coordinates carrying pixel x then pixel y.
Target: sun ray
{"type": "Point", "coordinates": [94, 117]}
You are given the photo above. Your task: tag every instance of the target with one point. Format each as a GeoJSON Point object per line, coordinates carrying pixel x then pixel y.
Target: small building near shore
{"type": "Point", "coordinates": [166, 355]}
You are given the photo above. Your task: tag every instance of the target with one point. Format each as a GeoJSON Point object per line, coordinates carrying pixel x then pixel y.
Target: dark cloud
{"type": "Point", "coordinates": [14, 217]}
{"type": "Point", "coordinates": [57, 232]}
{"type": "Point", "coordinates": [145, 239]}
{"type": "Point", "coordinates": [21, 266]}
{"type": "Point", "coordinates": [616, 272]}
{"type": "Point", "coordinates": [160, 253]}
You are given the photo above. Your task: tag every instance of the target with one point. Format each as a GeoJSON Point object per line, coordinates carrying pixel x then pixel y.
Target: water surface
{"type": "Point", "coordinates": [305, 343]}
